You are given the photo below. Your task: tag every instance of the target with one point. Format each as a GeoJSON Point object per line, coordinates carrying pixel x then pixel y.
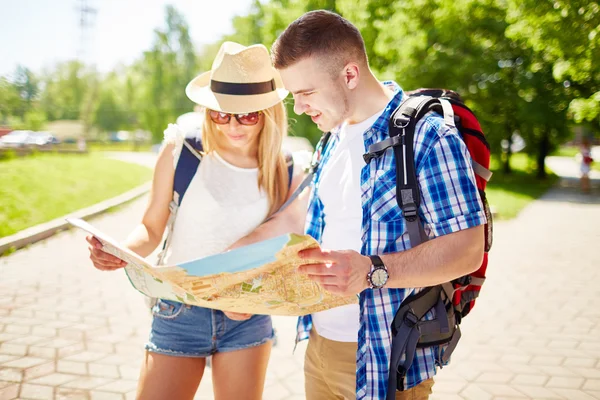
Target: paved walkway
{"type": "Point", "coordinates": [68, 331]}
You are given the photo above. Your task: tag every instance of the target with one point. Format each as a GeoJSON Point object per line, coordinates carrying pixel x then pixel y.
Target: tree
{"type": "Point", "coordinates": [27, 86]}
{"type": "Point", "coordinates": [65, 90]}
{"type": "Point", "coordinates": [34, 119]}
{"type": "Point", "coordinates": [166, 68]}
{"type": "Point", "coordinates": [564, 35]}
{"type": "Point", "coordinates": [464, 46]}
{"type": "Point", "coordinates": [107, 116]}
{"type": "Point", "coordinates": [10, 100]}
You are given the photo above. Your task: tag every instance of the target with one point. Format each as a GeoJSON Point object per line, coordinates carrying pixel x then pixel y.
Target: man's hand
{"type": "Point", "coordinates": [237, 316]}
{"type": "Point", "coordinates": [340, 272]}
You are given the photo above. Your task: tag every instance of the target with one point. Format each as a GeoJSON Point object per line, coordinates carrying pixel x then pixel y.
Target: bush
{"type": "Point", "coordinates": [7, 154]}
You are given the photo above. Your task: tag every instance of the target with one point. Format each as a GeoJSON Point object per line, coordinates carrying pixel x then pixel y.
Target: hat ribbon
{"type": "Point", "coordinates": [242, 89]}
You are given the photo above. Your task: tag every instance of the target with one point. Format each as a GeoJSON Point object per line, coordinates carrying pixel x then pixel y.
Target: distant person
{"type": "Point", "coordinates": [242, 179]}
{"type": "Point", "coordinates": [585, 152]}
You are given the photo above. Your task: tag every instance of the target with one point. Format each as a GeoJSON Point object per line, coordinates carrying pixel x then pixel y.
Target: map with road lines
{"type": "Point", "coordinates": [258, 279]}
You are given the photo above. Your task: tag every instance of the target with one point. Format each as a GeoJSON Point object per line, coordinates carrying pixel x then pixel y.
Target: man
{"type": "Point", "coordinates": [354, 214]}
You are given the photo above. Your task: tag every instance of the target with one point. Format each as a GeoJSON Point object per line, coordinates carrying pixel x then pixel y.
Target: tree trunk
{"type": "Point", "coordinates": [542, 153]}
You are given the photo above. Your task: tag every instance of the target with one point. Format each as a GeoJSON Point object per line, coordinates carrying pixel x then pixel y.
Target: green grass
{"type": "Point", "coordinates": [509, 194]}
{"type": "Point", "coordinates": [566, 151]}
{"type": "Point", "coordinates": [119, 146]}
{"type": "Point", "coordinates": [42, 187]}
{"type": "Point", "coordinates": [108, 146]}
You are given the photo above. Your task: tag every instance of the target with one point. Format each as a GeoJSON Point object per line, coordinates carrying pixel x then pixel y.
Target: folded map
{"type": "Point", "coordinates": [259, 279]}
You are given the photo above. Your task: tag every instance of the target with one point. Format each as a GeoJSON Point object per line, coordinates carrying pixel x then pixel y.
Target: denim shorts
{"type": "Point", "coordinates": [189, 331]}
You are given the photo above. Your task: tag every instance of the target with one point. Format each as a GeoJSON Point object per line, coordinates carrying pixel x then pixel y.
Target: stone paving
{"type": "Point", "coordinates": [68, 331]}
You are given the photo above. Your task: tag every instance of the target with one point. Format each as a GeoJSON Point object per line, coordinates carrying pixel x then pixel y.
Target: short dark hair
{"type": "Point", "coordinates": [319, 33]}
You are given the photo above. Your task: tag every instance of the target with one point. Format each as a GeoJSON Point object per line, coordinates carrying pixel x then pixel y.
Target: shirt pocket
{"type": "Point", "coordinates": [384, 207]}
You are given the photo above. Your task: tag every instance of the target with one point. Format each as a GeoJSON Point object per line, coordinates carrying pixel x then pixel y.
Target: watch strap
{"type": "Point", "coordinates": [376, 261]}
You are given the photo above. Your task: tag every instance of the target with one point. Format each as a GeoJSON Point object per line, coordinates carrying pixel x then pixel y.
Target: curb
{"type": "Point", "coordinates": [47, 229]}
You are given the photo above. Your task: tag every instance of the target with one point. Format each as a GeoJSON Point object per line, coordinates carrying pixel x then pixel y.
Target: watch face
{"type": "Point", "coordinates": [379, 277]}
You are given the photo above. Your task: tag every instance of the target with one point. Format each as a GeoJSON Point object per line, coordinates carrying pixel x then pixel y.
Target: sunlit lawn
{"type": "Point", "coordinates": [509, 194]}
{"type": "Point", "coordinates": [42, 187]}
{"type": "Point", "coordinates": [110, 146]}
{"type": "Point", "coordinates": [566, 151]}
{"type": "Point", "coordinates": [119, 146]}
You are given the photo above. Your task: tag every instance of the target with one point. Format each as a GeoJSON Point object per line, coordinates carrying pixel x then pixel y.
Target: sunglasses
{"type": "Point", "coordinates": [222, 118]}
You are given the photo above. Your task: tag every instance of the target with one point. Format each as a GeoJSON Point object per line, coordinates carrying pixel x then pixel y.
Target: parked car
{"type": "Point", "coordinates": [120, 136]}
{"type": "Point", "coordinates": [42, 139]}
{"type": "Point", "coordinates": [15, 139]}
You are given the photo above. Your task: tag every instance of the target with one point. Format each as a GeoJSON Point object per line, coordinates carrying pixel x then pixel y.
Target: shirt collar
{"type": "Point", "coordinates": [380, 126]}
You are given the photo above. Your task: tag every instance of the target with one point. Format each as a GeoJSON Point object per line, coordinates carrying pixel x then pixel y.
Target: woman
{"type": "Point", "coordinates": [242, 179]}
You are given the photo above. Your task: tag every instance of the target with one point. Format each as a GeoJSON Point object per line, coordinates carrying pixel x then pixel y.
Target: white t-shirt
{"type": "Point", "coordinates": [340, 193]}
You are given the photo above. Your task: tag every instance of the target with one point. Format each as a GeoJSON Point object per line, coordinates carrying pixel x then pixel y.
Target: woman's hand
{"type": "Point", "coordinates": [102, 260]}
{"type": "Point", "coordinates": [237, 316]}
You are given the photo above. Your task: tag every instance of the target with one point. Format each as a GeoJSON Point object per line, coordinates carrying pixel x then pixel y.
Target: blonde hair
{"type": "Point", "coordinates": [273, 174]}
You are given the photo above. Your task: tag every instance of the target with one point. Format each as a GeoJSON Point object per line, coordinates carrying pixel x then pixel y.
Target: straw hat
{"type": "Point", "coordinates": [241, 80]}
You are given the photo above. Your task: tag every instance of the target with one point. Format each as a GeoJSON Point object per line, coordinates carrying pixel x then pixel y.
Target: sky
{"type": "Point", "coordinates": [38, 34]}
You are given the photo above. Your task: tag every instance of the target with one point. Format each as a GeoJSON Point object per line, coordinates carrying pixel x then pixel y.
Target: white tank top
{"type": "Point", "coordinates": [222, 204]}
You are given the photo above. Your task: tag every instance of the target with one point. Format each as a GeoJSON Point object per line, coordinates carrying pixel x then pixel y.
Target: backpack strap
{"type": "Point", "coordinates": [405, 335]}
{"type": "Point", "coordinates": [409, 331]}
{"type": "Point", "coordinates": [408, 194]}
{"type": "Point", "coordinates": [289, 160]}
{"type": "Point", "coordinates": [402, 131]}
{"type": "Point", "coordinates": [312, 169]}
{"type": "Point", "coordinates": [187, 165]}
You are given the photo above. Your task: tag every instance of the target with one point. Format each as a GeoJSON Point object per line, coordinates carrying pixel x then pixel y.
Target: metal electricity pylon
{"type": "Point", "coordinates": [86, 22]}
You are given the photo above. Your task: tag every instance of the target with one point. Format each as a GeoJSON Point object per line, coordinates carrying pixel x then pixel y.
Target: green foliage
{"type": "Point", "coordinates": [7, 154]}
{"type": "Point", "coordinates": [65, 91]}
{"type": "Point", "coordinates": [166, 69]}
{"type": "Point", "coordinates": [566, 37]}
{"type": "Point", "coordinates": [464, 46]}
{"type": "Point", "coordinates": [523, 66]}
{"type": "Point", "coordinates": [108, 116]}
{"type": "Point", "coordinates": [11, 104]}
{"type": "Point", "coordinates": [34, 119]}
{"type": "Point", "coordinates": [26, 85]}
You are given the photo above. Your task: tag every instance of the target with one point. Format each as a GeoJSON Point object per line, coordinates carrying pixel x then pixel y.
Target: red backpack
{"type": "Point", "coordinates": [452, 300]}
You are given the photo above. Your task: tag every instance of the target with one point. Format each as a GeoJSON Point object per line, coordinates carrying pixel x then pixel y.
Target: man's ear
{"type": "Point", "coordinates": [351, 74]}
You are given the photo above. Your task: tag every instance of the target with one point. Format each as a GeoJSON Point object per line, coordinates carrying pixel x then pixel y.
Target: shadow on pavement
{"type": "Point", "coordinates": [568, 189]}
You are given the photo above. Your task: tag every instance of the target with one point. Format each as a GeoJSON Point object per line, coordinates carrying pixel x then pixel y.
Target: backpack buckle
{"type": "Point", "coordinates": [410, 319]}
{"type": "Point", "coordinates": [368, 157]}
{"type": "Point", "coordinates": [410, 212]}
{"type": "Point", "coordinates": [401, 121]}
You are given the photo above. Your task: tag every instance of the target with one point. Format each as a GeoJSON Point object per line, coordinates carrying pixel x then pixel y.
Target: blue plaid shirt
{"type": "Point", "coordinates": [450, 202]}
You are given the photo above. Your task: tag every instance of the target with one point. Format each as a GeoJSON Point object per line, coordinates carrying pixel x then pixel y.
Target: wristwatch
{"type": "Point", "coordinates": [378, 276]}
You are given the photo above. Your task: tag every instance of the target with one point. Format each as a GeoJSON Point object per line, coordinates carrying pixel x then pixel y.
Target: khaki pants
{"type": "Point", "coordinates": [329, 369]}
{"type": "Point", "coordinates": [419, 392]}
{"type": "Point", "coordinates": [330, 372]}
